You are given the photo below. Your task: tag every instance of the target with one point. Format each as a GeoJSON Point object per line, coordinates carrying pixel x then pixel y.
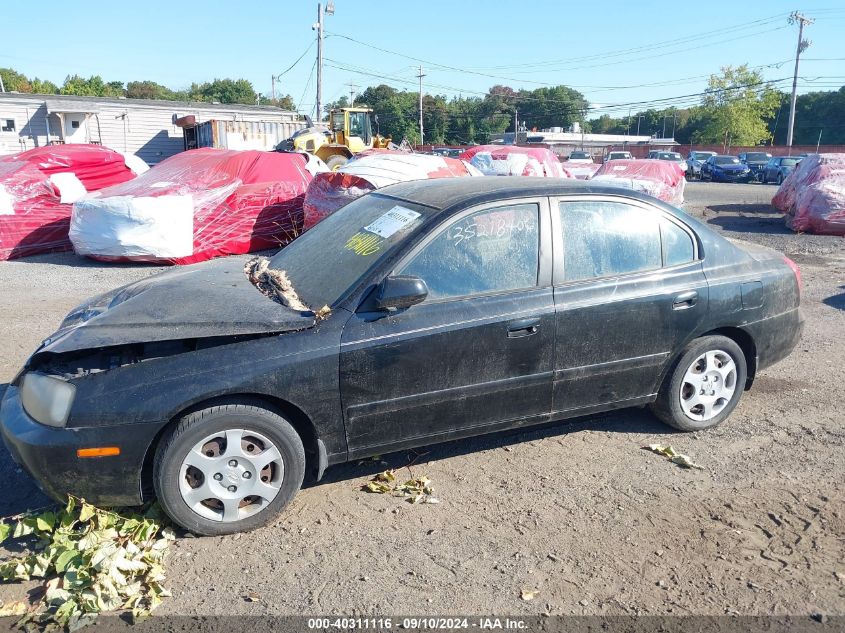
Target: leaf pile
{"type": "Point", "coordinates": [418, 490]}
{"type": "Point", "coordinates": [92, 560]}
{"type": "Point", "coordinates": [684, 461]}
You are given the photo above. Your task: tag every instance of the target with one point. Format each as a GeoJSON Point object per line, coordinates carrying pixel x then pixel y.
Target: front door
{"type": "Point", "coordinates": [629, 290]}
{"type": "Point", "coordinates": [477, 352]}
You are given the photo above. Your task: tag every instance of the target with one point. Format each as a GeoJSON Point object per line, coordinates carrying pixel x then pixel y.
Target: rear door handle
{"type": "Point", "coordinates": [685, 300]}
{"type": "Point", "coordinates": [523, 327]}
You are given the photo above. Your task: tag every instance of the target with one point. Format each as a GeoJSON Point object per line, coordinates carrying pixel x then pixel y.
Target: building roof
{"type": "Point", "coordinates": [61, 103]}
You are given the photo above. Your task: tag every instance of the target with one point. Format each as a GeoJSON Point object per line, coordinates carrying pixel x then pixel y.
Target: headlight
{"type": "Point", "coordinates": [47, 399]}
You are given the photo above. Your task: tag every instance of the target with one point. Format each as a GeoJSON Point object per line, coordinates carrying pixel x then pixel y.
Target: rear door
{"type": "Point", "coordinates": [629, 290]}
{"type": "Point", "coordinates": [477, 352]}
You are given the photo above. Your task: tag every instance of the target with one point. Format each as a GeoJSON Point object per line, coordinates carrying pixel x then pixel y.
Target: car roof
{"type": "Point", "coordinates": [452, 193]}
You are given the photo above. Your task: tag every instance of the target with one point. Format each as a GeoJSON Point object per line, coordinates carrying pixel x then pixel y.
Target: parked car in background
{"type": "Point", "coordinates": [580, 157]}
{"type": "Point", "coordinates": [722, 168]}
{"type": "Point", "coordinates": [694, 162]}
{"type": "Point", "coordinates": [674, 157]}
{"type": "Point", "coordinates": [455, 307]}
{"type": "Point", "coordinates": [619, 156]}
{"type": "Point", "coordinates": [778, 168]}
{"type": "Point", "coordinates": [756, 162]}
{"type": "Point", "coordinates": [449, 152]}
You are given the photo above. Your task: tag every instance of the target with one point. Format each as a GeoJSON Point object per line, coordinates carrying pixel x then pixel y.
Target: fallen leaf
{"type": "Point", "coordinates": [18, 607]}
{"type": "Point", "coordinates": [685, 462]}
{"type": "Point", "coordinates": [529, 594]}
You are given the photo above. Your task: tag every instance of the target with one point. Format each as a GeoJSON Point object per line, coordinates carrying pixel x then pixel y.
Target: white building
{"type": "Point", "coordinates": [143, 127]}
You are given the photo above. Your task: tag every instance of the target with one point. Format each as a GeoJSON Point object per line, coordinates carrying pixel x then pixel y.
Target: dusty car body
{"type": "Point", "coordinates": [413, 350]}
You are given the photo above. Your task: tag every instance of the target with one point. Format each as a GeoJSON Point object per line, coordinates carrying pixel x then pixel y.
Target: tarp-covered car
{"type": "Point", "coordinates": [370, 171]}
{"type": "Point", "coordinates": [813, 195]}
{"type": "Point", "coordinates": [38, 186]}
{"type": "Point", "coordinates": [663, 179]}
{"type": "Point", "coordinates": [423, 312]}
{"type": "Point", "coordinates": [196, 205]}
{"type": "Point", "coordinates": [513, 160]}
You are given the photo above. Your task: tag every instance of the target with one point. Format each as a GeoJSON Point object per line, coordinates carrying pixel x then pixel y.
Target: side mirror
{"type": "Point", "coordinates": [400, 292]}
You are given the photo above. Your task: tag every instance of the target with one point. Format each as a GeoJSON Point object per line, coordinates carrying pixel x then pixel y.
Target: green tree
{"type": "Point", "coordinates": [735, 108]}
{"type": "Point", "coordinates": [225, 91]}
{"type": "Point", "coordinates": [13, 81]}
{"type": "Point", "coordinates": [148, 90]}
{"type": "Point", "coordinates": [45, 87]}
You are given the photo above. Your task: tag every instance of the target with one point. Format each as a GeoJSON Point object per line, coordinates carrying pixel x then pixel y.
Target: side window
{"type": "Point", "coordinates": [490, 251]}
{"type": "Point", "coordinates": [608, 238]}
{"type": "Point", "coordinates": [677, 244]}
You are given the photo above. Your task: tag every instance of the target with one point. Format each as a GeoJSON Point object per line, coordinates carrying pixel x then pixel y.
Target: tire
{"type": "Point", "coordinates": [338, 160]}
{"type": "Point", "coordinates": [678, 393]}
{"type": "Point", "coordinates": [228, 467]}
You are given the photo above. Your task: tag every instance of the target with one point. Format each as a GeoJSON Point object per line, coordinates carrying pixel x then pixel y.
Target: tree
{"type": "Point", "coordinates": [148, 90]}
{"type": "Point", "coordinates": [13, 81]}
{"type": "Point", "coordinates": [225, 91]}
{"type": "Point", "coordinates": [94, 86]}
{"type": "Point", "coordinates": [736, 107]}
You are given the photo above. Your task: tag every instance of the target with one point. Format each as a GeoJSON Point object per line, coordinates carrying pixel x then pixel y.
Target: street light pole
{"type": "Point", "coordinates": [421, 105]}
{"type": "Point", "coordinates": [802, 46]}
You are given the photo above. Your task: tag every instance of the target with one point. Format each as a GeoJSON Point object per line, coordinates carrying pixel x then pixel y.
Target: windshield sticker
{"type": "Point", "coordinates": [394, 220]}
{"type": "Point", "coordinates": [364, 244]}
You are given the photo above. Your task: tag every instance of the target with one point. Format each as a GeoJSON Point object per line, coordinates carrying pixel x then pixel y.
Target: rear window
{"type": "Point", "coordinates": [790, 162]}
{"type": "Point", "coordinates": [726, 160]}
{"type": "Point", "coordinates": [757, 156]}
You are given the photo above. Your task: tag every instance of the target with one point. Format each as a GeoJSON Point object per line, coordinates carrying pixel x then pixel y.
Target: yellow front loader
{"type": "Point", "coordinates": [350, 131]}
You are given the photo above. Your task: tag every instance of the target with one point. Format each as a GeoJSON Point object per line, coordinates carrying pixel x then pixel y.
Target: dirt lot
{"type": "Point", "coordinates": [575, 510]}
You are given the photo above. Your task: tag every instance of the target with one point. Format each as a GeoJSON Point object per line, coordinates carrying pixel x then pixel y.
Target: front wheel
{"type": "Point", "coordinates": [228, 468]}
{"type": "Point", "coordinates": [704, 386]}
{"type": "Point", "coordinates": [336, 162]}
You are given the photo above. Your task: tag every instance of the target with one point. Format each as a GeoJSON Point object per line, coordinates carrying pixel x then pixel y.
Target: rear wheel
{"type": "Point", "coordinates": [704, 385]}
{"type": "Point", "coordinates": [336, 161]}
{"type": "Point", "coordinates": [228, 468]}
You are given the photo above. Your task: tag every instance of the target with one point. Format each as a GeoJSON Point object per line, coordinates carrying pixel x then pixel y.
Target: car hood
{"type": "Point", "coordinates": [214, 298]}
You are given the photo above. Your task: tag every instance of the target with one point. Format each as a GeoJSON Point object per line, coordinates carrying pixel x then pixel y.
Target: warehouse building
{"type": "Point", "coordinates": [144, 127]}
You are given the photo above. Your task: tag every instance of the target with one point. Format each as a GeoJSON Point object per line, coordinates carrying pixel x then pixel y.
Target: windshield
{"type": "Point", "coordinates": [579, 155]}
{"type": "Point", "coordinates": [790, 162]}
{"type": "Point", "coordinates": [670, 156]}
{"type": "Point", "coordinates": [328, 260]}
{"type": "Point", "coordinates": [702, 155]}
{"type": "Point", "coordinates": [727, 160]}
{"type": "Point", "coordinates": [757, 157]}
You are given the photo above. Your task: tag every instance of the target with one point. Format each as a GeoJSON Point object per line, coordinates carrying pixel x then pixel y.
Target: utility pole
{"type": "Point", "coordinates": [674, 116]}
{"type": "Point", "coordinates": [421, 105]}
{"type": "Point", "coordinates": [802, 46]}
{"type": "Point", "coordinates": [639, 116]}
{"type": "Point", "coordinates": [628, 131]}
{"type": "Point", "coordinates": [516, 127]}
{"type": "Point", "coordinates": [2, 87]}
{"type": "Point", "coordinates": [318, 26]}
{"type": "Point", "coordinates": [353, 89]}
{"type": "Point", "coordinates": [273, 90]}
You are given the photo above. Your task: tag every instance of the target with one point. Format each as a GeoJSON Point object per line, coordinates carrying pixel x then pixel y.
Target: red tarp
{"type": "Point", "coordinates": [512, 160]}
{"type": "Point", "coordinates": [366, 172]}
{"type": "Point", "coordinates": [196, 205]}
{"type": "Point", "coordinates": [813, 195]}
{"type": "Point", "coordinates": [33, 218]}
{"type": "Point", "coordinates": [662, 179]}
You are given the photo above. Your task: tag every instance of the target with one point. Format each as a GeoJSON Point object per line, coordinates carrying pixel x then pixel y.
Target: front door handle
{"type": "Point", "coordinates": [685, 300]}
{"type": "Point", "coordinates": [523, 327]}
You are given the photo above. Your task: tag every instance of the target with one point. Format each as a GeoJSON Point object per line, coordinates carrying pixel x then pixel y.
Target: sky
{"type": "Point", "coordinates": [621, 54]}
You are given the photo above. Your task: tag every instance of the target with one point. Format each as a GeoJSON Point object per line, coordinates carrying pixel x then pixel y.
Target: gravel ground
{"type": "Point", "coordinates": [577, 510]}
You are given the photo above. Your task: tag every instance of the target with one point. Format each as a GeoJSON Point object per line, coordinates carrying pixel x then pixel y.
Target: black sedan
{"type": "Point", "coordinates": [721, 168]}
{"type": "Point", "coordinates": [453, 307]}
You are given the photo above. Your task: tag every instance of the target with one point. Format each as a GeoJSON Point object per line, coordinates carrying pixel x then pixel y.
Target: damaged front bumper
{"type": "Point", "coordinates": [49, 455]}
